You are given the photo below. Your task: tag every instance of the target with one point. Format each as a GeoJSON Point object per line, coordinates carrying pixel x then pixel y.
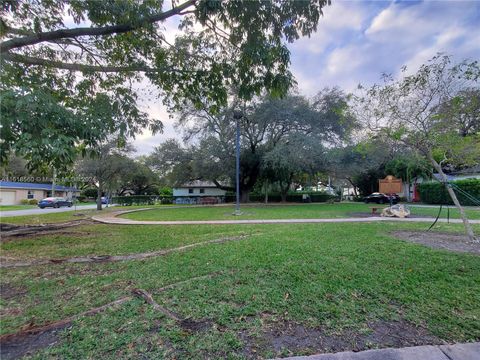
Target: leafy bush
{"type": "Point", "coordinates": [90, 193]}
{"type": "Point", "coordinates": [32, 202]}
{"type": "Point", "coordinates": [291, 197]}
{"type": "Point", "coordinates": [319, 197]}
{"type": "Point", "coordinates": [166, 191]}
{"type": "Point", "coordinates": [166, 200]}
{"type": "Point", "coordinates": [24, 201]}
{"type": "Point", "coordinates": [435, 192]}
{"type": "Point", "coordinates": [81, 198]}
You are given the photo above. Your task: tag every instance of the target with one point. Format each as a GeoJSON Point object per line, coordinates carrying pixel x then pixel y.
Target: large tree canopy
{"type": "Point", "coordinates": [81, 60]}
{"type": "Point", "coordinates": [281, 137]}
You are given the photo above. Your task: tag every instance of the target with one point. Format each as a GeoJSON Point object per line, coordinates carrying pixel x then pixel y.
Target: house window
{"type": "Point", "coordinates": [30, 195]}
{"type": "Point", "coordinates": [202, 191]}
{"type": "Point", "coordinates": [190, 191]}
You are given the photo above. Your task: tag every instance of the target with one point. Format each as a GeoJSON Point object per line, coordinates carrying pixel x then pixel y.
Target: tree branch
{"type": "Point", "coordinates": [8, 45]}
{"type": "Point", "coordinates": [29, 60]}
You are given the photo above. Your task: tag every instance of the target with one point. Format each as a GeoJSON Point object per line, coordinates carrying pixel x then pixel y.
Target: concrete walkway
{"type": "Point", "coordinates": [470, 351]}
{"type": "Point", "coordinates": [112, 218]}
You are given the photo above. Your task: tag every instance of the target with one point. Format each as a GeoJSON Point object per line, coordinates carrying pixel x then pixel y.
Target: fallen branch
{"type": "Point", "coordinates": [33, 330]}
{"type": "Point", "coordinates": [186, 323]}
{"type": "Point", "coordinates": [115, 258]}
{"type": "Point", "coordinates": [149, 299]}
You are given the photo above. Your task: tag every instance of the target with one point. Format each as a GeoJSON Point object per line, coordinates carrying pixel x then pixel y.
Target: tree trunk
{"type": "Point", "coordinates": [245, 195]}
{"type": "Point", "coordinates": [99, 196]}
{"type": "Point", "coordinates": [284, 191]}
{"type": "Point", "coordinates": [266, 192]}
{"type": "Point", "coordinates": [466, 223]}
{"type": "Point", "coordinates": [353, 185]}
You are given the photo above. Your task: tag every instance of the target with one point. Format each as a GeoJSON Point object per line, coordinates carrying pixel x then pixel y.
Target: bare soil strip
{"type": "Point", "coordinates": [113, 258]}
{"type": "Point", "coordinates": [439, 240]}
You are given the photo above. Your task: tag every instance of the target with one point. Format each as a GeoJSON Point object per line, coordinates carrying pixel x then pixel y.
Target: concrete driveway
{"type": "Point", "coordinates": [44, 211]}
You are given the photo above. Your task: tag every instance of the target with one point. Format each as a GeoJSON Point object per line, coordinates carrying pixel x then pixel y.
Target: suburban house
{"type": "Point", "coordinates": [12, 193]}
{"type": "Point", "coordinates": [198, 192]}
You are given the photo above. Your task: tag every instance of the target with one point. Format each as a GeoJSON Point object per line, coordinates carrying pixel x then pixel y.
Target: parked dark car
{"type": "Point", "coordinates": [381, 198]}
{"type": "Point", "coordinates": [54, 202]}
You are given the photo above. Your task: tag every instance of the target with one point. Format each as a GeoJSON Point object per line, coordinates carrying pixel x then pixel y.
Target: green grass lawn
{"type": "Point", "coordinates": [16, 207]}
{"type": "Point", "coordinates": [300, 211]}
{"type": "Point", "coordinates": [337, 279]}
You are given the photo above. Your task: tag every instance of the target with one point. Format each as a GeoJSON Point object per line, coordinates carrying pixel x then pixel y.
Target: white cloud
{"type": "Point", "coordinates": [390, 35]}
{"type": "Point", "coordinates": [357, 41]}
{"type": "Point", "coordinates": [338, 18]}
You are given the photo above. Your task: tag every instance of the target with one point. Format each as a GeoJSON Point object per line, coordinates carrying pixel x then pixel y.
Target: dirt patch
{"type": "Point", "coordinates": [8, 291]}
{"type": "Point", "coordinates": [28, 344]}
{"type": "Point", "coordinates": [288, 338]}
{"type": "Point", "coordinates": [191, 325]}
{"type": "Point", "coordinates": [439, 240]}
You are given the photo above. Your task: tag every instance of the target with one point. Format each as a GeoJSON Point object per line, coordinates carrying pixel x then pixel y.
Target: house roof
{"type": "Point", "coordinates": [196, 184]}
{"type": "Point", "coordinates": [473, 170]}
{"type": "Point", "coordinates": [453, 177]}
{"type": "Point", "coordinates": [33, 186]}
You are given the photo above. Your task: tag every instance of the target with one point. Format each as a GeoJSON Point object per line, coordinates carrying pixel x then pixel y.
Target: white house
{"type": "Point", "coordinates": [198, 192]}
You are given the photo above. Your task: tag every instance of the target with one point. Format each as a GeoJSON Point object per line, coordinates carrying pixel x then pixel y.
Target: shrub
{"type": "Point", "coordinates": [81, 198]}
{"type": "Point", "coordinates": [24, 201]}
{"type": "Point", "coordinates": [32, 202]}
{"type": "Point", "coordinates": [166, 200]}
{"type": "Point", "coordinates": [435, 192]}
{"type": "Point", "coordinates": [166, 191]}
{"type": "Point", "coordinates": [90, 193]}
{"type": "Point", "coordinates": [319, 197]}
{"type": "Point", "coordinates": [291, 197]}
{"type": "Point", "coordinates": [141, 200]}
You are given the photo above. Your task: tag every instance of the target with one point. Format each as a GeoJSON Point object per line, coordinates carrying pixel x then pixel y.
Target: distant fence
{"type": "Point", "coordinates": [298, 198]}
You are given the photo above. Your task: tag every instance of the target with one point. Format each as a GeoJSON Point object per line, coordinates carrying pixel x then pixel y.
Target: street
{"type": "Point", "coordinates": [46, 210]}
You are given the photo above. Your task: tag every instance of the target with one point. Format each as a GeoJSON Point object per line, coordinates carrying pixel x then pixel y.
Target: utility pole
{"type": "Point", "coordinates": [53, 181]}
{"type": "Point", "coordinates": [237, 115]}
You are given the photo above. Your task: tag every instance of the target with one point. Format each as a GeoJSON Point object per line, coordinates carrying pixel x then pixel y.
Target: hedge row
{"type": "Point", "coordinates": [29, 201]}
{"type": "Point", "coordinates": [313, 197]}
{"type": "Point", "coordinates": [142, 200]}
{"type": "Point", "coordinates": [436, 193]}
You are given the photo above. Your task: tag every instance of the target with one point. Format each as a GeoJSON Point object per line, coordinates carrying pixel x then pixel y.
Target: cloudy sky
{"type": "Point", "coordinates": [357, 41]}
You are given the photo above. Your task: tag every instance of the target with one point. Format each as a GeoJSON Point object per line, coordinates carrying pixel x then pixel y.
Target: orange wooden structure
{"type": "Point", "coordinates": [390, 185]}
